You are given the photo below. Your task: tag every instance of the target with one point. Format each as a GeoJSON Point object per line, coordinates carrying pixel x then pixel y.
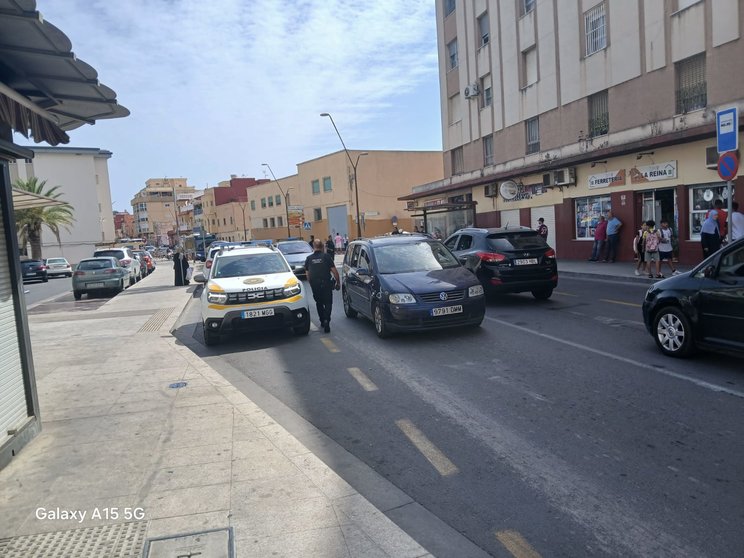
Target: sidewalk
{"type": "Point", "coordinates": [126, 455]}
{"type": "Point", "coordinates": [610, 271]}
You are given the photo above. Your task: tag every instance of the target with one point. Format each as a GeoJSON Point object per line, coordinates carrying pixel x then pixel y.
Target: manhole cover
{"type": "Point", "coordinates": [207, 544]}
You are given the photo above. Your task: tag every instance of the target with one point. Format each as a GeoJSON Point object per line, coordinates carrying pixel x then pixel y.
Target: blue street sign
{"type": "Point", "coordinates": [307, 225]}
{"type": "Point", "coordinates": [728, 166]}
{"type": "Point", "coordinates": [727, 130]}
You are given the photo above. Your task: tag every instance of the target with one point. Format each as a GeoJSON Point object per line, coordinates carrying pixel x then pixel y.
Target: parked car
{"type": "Point", "coordinates": [703, 308]}
{"type": "Point", "coordinates": [252, 289]}
{"type": "Point", "coordinates": [126, 259]}
{"type": "Point", "coordinates": [58, 266]}
{"type": "Point", "coordinates": [507, 260]}
{"type": "Point", "coordinates": [34, 270]}
{"type": "Point", "coordinates": [99, 275]}
{"type": "Point", "coordinates": [296, 252]}
{"type": "Point", "coordinates": [147, 262]}
{"type": "Point", "coordinates": [409, 283]}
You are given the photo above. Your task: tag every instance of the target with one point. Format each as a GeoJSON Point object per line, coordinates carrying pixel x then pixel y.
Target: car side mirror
{"type": "Point", "coordinates": [199, 277]}
{"type": "Point", "coordinates": [709, 272]}
{"type": "Point", "coordinates": [362, 271]}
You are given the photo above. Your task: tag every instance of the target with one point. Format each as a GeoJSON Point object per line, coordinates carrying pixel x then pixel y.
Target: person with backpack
{"type": "Point", "coordinates": [652, 238]}
{"type": "Point", "coordinates": [640, 249]}
{"type": "Point", "coordinates": [665, 246]}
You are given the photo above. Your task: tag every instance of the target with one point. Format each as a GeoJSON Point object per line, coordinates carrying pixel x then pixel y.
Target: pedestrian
{"type": "Point", "coordinates": [339, 242]}
{"type": "Point", "coordinates": [395, 230]}
{"type": "Point", "coordinates": [737, 222]}
{"type": "Point", "coordinates": [312, 240]}
{"type": "Point", "coordinates": [722, 218]}
{"type": "Point", "coordinates": [542, 228]}
{"type": "Point", "coordinates": [710, 237]}
{"type": "Point", "coordinates": [600, 237]}
{"type": "Point", "coordinates": [330, 247]}
{"type": "Point", "coordinates": [613, 236]}
{"type": "Point", "coordinates": [651, 244]}
{"type": "Point", "coordinates": [346, 242]}
{"type": "Point", "coordinates": [640, 249]}
{"type": "Point", "coordinates": [321, 273]}
{"type": "Point", "coordinates": [665, 246]}
{"type": "Point", "coordinates": [180, 266]}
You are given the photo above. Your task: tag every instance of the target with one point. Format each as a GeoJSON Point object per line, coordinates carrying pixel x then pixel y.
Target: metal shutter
{"type": "Point", "coordinates": [510, 217]}
{"type": "Point", "coordinates": [12, 392]}
{"type": "Point", "coordinates": [547, 212]}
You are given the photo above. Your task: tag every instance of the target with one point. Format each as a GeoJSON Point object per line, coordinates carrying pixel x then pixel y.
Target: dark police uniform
{"type": "Point", "coordinates": [319, 265]}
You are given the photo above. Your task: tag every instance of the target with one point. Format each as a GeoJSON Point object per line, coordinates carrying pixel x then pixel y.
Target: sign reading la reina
{"type": "Point", "coordinates": [651, 173]}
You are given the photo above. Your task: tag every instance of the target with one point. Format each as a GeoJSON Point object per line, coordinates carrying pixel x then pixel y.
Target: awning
{"type": "Point", "coordinates": [27, 200]}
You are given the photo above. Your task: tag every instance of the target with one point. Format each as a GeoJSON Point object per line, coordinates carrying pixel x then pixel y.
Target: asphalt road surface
{"type": "Point", "coordinates": [555, 429]}
{"type": "Point", "coordinates": [38, 291]}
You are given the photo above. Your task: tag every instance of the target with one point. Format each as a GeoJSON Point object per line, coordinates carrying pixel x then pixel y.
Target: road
{"type": "Point", "coordinates": [555, 428]}
{"type": "Point", "coordinates": [38, 291]}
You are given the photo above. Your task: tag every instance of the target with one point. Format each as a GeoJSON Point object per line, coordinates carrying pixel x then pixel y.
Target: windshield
{"type": "Point", "coordinates": [299, 247]}
{"type": "Point", "coordinates": [418, 256]}
{"type": "Point", "coordinates": [516, 241]}
{"type": "Point", "coordinates": [95, 264]}
{"type": "Point", "coordinates": [253, 264]}
{"type": "Point", "coordinates": [112, 253]}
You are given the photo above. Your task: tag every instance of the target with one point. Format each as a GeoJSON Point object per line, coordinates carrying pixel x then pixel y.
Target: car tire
{"type": "Point", "coordinates": [77, 294]}
{"type": "Point", "coordinates": [210, 337]}
{"type": "Point", "coordinates": [381, 327]}
{"type": "Point", "coordinates": [673, 332]}
{"type": "Point", "coordinates": [119, 288]}
{"type": "Point", "coordinates": [131, 281]}
{"type": "Point", "coordinates": [542, 294]}
{"type": "Point", "coordinates": [348, 310]}
{"type": "Point", "coordinates": [303, 329]}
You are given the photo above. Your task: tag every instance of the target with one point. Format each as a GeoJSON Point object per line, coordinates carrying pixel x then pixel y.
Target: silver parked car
{"type": "Point", "coordinates": [98, 275]}
{"type": "Point", "coordinates": [126, 259]}
{"type": "Point", "coordinates": [58, 266]}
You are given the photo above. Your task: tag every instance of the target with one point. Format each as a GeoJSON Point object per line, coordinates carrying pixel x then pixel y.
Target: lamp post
{"type": "Point", "coordinates": [353, 166]}
{"type": "Point", "coordinates": [285, 196]}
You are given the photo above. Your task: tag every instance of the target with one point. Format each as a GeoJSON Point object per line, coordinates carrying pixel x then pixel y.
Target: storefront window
{"type": "Point", "coordinates": [588, 211]}
{"type": "Point", "coordinates": [702, 198]}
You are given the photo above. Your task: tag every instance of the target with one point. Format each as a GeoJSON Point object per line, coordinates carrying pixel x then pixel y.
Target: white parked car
{"type": "Point", "coordinates": [58, 266]}
{"type": "Point", "coordinates": [126, 259]}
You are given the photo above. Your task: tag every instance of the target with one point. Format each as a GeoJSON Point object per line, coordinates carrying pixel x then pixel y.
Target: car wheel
{"type": "Point", "coordinates": [381, 326]}
{"type": "Point", "coordinates": [119, 288]}
{"type": "Point", "coordinates": [131, 281]}
{"type": "Point", "coordinates": [673, 332]}
{"type": "Point", "coordinates": [77, 294]}
{"type": "Point", "coordinates": [303, 329]}
{"type": "Point", "coordinates": [348, 310]}
{"type": "Point", "coordinates": [211, 338]}
{"type": "Point", "coordinates": [542, 294]}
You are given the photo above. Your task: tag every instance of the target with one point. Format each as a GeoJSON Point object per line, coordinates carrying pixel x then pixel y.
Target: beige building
{"type": "Point", "coordinates": [564, 109]}
{"type": "Point", "coordinates": [157, 210]}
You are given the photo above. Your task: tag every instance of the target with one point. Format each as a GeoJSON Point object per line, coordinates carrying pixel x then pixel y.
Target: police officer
{"type": "Point", "coordinates": [319, 267]}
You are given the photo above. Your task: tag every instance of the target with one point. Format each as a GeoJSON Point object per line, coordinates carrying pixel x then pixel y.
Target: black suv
{"type": "Point", "coordinates": [409, 283]}
{"type": "Point", "coordinates": [507, 260]}
{"type": "Point", "coordinates": [34, 270]}
{"type": "Point", "coordinates": [701, 308]}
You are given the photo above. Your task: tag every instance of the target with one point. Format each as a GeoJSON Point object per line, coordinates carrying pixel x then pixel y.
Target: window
{"type": "Point", "coordinates": [588, 211]}
{"type": "Point", "coordinates": [595, 29]}
{"type": "Point", "coordinates": [466, 241]}
{"type": "Point", "coordinates": [458, 164]}
{"type": "Point", "coordinates": [488, 150]}
{"type": "Point", "coordinates": [599, 114]}
{"type": "Point", "coordinates": [317, 214]}
{"type": "Point", "coordinates": [316, 186]}
{"type": "Point", "coordinates": [265, 223]}
{"type": "Point", "coordinates": [691, 93]}
{"type": "Point", "coordinates": [487, 97]}
{"type": "Point", "coordinates": [272, 222]}
{"type": "Point", "coordinates": [278, 199]}
{"type": "Point", "coordinates": [452, 242]}
{"type": "Point", "coordinates": [533, 135]}
{"type": "Point", "coordinates": [484, 29]}
{"type": "Point", "coordinates": [224, 221]}
{"type": "Point", "coordinates": [279, 221]}
{"type": "Point", "coordinates": [449, 7]}
{"type": "Point", "coordinates": [702, 198]}
{"type": "Point", "coordinates": [454, 109]}
{"type": "Point", "coordinates": [452, 53]}
{"type": "Point", "coordinates": [253, 205]}
{"type": "Point", "coordinates": [263, 202]}
{"type": "Point", "coordinates": [231, 221]}
{"type": "Point", "coordinates": [529, 67]}
{"type": "Point", "coordinates": [271, 201]}
{"type": "Point", "coordinates": [526, 6]}
{"type": "Point", "coordinates": [327, 184]}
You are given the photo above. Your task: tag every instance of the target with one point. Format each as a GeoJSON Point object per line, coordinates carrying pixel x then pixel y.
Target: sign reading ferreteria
{"type": "Point", "coordinates": [651, 173]}
{"type": "Point", "coordinates": [605, 179]}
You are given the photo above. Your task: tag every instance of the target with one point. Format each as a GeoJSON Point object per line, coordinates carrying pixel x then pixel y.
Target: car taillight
{"type": "Point", "coordinates": [42, 268]}
{"type": "Point", "coordinates": [125, 262]}
{"type": "Point", "coordinates": [491, 257]}
{"type": "Point", "coordinates": [550, 254]}
{"type": "Point", "coordinates": [79, 273]}
{"type": "Point", "coordinates": [109, 270]}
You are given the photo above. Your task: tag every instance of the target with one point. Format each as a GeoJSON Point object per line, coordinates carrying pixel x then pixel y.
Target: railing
{"type": "Point", "coordinates": [599, 126]}
{"type": "Point", "coordinates": [691, 98]}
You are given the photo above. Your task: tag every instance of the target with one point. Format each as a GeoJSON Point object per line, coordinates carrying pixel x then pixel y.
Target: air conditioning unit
{"type": "Point", "coordinates": [547, 180]}
{"type": "Point", "coordinates": [563, 177]}
{"type": "Point", "coordinates": [471, 90]}
{"type": "Point", "coordinates": [491, 190]}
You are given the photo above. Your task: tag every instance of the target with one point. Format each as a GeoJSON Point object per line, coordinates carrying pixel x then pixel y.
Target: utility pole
{"type": "Point", "coordinates": [285, 196]}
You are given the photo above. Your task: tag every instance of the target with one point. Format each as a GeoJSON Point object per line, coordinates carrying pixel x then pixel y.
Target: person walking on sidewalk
{"type": "Point", "coordinates": [639, 247]}
{"type": "Point", "coordinates": [600, 237]}
{"type": "Point", "coordinates": [180, 266]}
{"type": "Point", "coordinates": [722, 219]}
{"type": "Point", "coordinates": [542, 228]}
{"type": "Point", "coordinates": [652, 240]}
{"type": "Point", "coordinates": [737, 222]}
{"type": "Point", "coordinates": [330, 247]}
{"type": "Point", "coordinates": [613, 236]}
{"type": "Point", "coordinates": [710, 237]}
{"type": "Point", "coordinates": [320, 268]}
{"type": "Point", "coordinates": [339, 242]}
{"type": "Point", "coordinates": [665, 246]}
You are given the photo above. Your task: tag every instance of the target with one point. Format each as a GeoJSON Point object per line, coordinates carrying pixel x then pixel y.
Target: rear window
{"type": "Point", "coordinates": [111, 253]}
{"type": "Point", "coordinates": [89, 265]}
{"type": "Point", "coordinates": [516, 241]}
{"type": "Point", "coordinates": [57, 260]}
{"type": "Point", "coordinates": [253, 264]}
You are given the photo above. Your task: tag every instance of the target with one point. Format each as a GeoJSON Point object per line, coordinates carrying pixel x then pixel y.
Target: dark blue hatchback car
{"type": "Point", "coordinates": [409, 283]}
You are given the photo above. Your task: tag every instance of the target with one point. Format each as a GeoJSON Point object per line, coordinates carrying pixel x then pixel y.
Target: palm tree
{"type": "Point", "coordinates": [29, 221]}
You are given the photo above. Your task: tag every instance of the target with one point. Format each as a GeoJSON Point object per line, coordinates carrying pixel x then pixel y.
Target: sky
{"type": "Point", "coordinates": [218, 87]}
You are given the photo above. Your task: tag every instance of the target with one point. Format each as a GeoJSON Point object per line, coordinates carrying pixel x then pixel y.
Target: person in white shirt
{"type": "Point", "coordinates": [665, 246]}
{"type": "Point", "coordinates": [737, 222]}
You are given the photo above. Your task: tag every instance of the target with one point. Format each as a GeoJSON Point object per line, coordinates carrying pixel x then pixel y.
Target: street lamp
{"type": "Point", "coordinates": [353, 166]}
{"type": "Point", "coordinates": [285, 196]}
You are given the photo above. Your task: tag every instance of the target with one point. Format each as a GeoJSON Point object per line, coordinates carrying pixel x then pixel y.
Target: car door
{"type": "Point", "coordinates": [351, 280]}
{"type": "Point", "coordinates": [365, 283]}
{"type": "Point", "coordinates": [721, 301]}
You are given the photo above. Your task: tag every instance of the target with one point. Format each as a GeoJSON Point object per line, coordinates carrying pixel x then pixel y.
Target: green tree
{"type": "Point", "coordinates": [29, 221]}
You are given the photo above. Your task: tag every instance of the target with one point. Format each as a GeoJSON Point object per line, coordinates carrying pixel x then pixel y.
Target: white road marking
{"type": "Point", "coordinates": [433, 455]}
{"type": "Point", "coordinates": [700, 383]}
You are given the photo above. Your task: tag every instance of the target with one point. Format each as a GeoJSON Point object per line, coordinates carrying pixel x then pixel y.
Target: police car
{"type": "Point", "coordinates": [250, 289]}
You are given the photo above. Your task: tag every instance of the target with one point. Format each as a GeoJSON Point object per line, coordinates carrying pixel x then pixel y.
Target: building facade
{"type": "Point", "coordinates": [123, 224]}
{"type": "Point", "coordinates": [225, 209]}
{"type": "Point", "coordinates": [83, 178]}
{"type": "Point", "coordinates": [564, 109]}
{"type": "Point", "coordinates": [157, 207]}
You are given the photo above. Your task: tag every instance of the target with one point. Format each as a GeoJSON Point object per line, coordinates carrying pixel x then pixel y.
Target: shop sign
{"type": "Point", "coordinates": [651, 173]}
{"type": "Point", "coordinates": [296, 215]}
{"type": "Point", "coordinates": [432, 203]}
{"type": "Point", "coordinates": [512, 192]}
{"type": "Point", "coordinates": [605, 179]}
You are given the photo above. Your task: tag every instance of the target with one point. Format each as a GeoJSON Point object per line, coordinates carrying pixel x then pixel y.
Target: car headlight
{"type": "Point", "coordinates": [477, 290]}
{"type": "Point", "coordinates": [217, 298]}
{"type": "Point", "coordinates": [402, 298]}
{"type": "Point", "coordinates": [293, 290]}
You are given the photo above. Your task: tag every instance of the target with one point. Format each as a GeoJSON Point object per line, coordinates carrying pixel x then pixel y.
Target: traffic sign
{"type": "Point", "coordinates": [728, 165]}
{"type": "Point", "coordinates": [727, 130]}
{"type": "Point", "coordinates": [307, 225]}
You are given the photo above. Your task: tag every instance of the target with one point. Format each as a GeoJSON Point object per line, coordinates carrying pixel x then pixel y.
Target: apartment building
{"type": "Point", "coordinates": [157, 210]}
{"type": "Point", "coordinates": [564, 109]}
{"type": "Point", "coordinates": [225, 211]}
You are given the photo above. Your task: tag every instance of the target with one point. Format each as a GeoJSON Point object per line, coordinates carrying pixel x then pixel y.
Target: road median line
{"type": "Point", "coordinates": [433, 455]}
{"type": "Point", "coordinates": [516, 544]}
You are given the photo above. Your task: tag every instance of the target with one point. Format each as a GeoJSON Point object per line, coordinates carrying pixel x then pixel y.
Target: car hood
{"type": "Point", "coordinates": [252, 283]}
{"type": "Point", "coordinates": [419, 282]}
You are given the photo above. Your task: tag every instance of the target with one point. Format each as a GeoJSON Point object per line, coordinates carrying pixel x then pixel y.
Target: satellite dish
{"type": "Point", "coordinates": [509, 190]}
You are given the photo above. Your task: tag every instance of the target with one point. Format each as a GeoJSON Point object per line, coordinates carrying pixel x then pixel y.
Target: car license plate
{"type": "Point", "coordinates": [94, 285]}
{"type": "Point", "coordinates": [446, 310]}
{"type": "Point", "coordinates": [258, 313]}
{"type": "Point", "coordinates": [527, 261]}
